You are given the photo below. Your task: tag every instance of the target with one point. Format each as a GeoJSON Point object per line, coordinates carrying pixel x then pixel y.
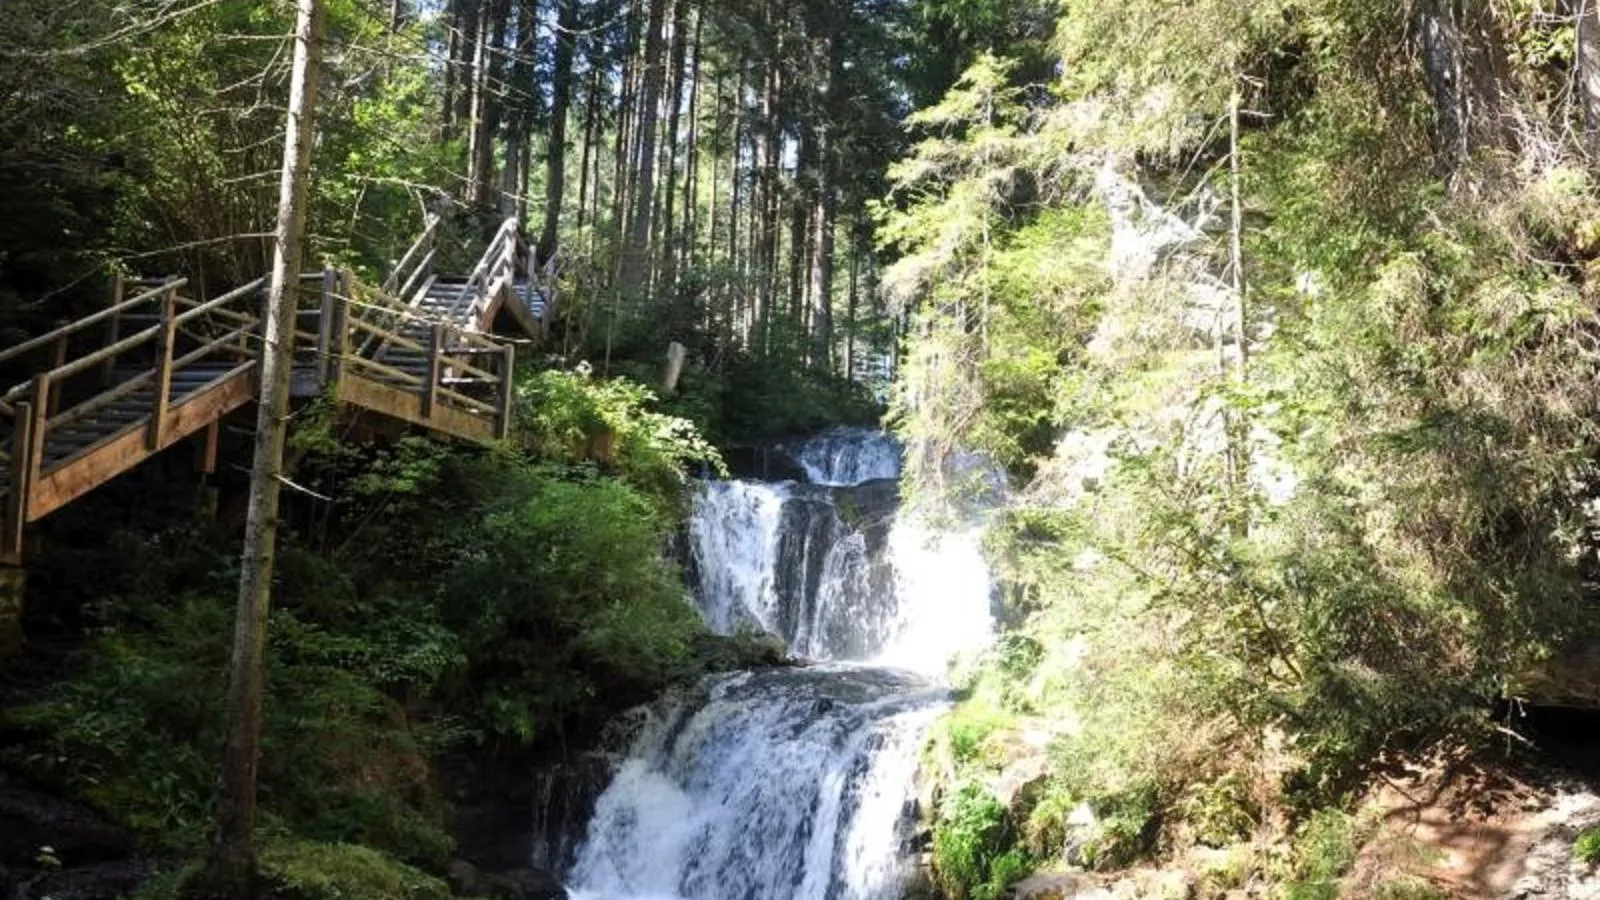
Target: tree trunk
{"type": "Point", "coordinates": [1462, 61]}
{"type": "Point", "coordinates": [822, 270]}
{"type": "Point", "coordinates": [590, 118]}
{"type": "Point", "coordinates": [691, 178]}
{"type": "Point", "coordinates": [636, 251]}
{"type": "Point", "coordinates": [850, 310]}
{"type": "Point", "coordinates": [669, 209]}
{"type": "Point", "coordinates": [560, 103]}
{"type": "Point", "coordinates": [232, 866]}
{"type": "Point", "coordinates": [1588, 63]}
{"type": "Point", "coordinates": [520, 105]}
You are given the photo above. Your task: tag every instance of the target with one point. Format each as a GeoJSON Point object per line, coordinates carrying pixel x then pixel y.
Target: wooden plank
{"type": "Point", "coordinates": [208, 447]}
{"type": "Point", "coordinates": [430, 382]}
{"type": "Point", "coordinates": [16, 509]}
{"type": "Point", "coordinates": [37, 428]}
{"type": "Point", "coordinates": [508, 393]}
{"type": "Point", "coordinates": [102, 400]}
{"type": "Point", "coordinates": [325, 324]}
{"type": "Point", "coordinates": [339, 331]}
{"type": "Point", "coordinates": [79, 475]}
{"type": "Point", "coordinates": [407, 406]}
{"type": "Point", "coordinates": [154, 440]}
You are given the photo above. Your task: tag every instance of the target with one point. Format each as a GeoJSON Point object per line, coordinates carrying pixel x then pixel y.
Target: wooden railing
{"type": "Point", "coordinates": [416, 267]}
{"type": "Point", "coordinates": [464, 371]}
{"type": "Point", "coordinates": [114, 402]}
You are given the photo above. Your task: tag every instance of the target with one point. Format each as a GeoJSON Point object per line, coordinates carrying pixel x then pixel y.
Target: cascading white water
{"type": "Point", "coordinates": [782, 785]}
{"type": "Point", "coordinates": [794, 784]}
{"type": "Point", "coordinates": [845, 456]}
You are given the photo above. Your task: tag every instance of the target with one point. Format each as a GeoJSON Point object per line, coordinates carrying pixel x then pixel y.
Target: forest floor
{"type": "Point", "coordinates": [1496, 824]}
{"type": "Point", "coordinates": [1471, 829]}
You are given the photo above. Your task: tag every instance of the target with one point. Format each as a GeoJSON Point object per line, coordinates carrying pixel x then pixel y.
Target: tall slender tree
{"type": "Point", "coordinates": [232, 866]}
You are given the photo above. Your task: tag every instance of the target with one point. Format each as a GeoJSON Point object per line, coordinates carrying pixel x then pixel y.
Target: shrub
{"type": "Point", "coordinates": [1586, 849]}
{"type": "Point", "coordinates": [970, 846]}
{"type": "Point", "coordinates": [304, 870]}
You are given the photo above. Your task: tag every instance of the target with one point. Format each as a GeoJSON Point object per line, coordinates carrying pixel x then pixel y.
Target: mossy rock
{"type": "Point", "coordinates": [305, 870]}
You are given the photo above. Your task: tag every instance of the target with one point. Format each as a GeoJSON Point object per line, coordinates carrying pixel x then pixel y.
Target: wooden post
{"type": "Point", "coordinates": [508, 391]}
{"type": "Point", "coordinates": [156, 434]}
{"type": "Point", "coordinates": [36, 430]}
{"type": "Point", "coordinates": [330, 290]}
{"type": "Point", "coordinates": [339, 330]}
{"type": "Point", "coordinates": [16, 511]}
{"type": "Point", "coordinates": [12, 581]}
{"type": "Point", "coordinates": [430, 385]}
{"type": "Point", "coordinates": [58, 358]}
{"type": "Point", "coordinates": [208, 450]}
{"type": "Point", "coordinates": [108, 371]}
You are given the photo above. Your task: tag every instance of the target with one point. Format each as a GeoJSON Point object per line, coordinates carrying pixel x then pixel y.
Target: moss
{"type": "Point", "coordinates": [304, 870]}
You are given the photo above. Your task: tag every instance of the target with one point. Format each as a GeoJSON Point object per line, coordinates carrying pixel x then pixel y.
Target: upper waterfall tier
{"type": "Point", "coordinates": [844, 456]}
{"type": "Point", "coordinates": [838, 573]}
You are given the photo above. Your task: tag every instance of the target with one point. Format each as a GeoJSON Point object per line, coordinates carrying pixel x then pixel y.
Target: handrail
{"type": "Point", "coordinates": [428, 239]}
{"type": "Point", "coordinates": [95, 318]}
{"type": "Point", "coordinates": [227, 298]}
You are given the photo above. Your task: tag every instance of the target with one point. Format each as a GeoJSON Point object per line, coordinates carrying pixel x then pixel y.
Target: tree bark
{"type": "Point", "coordinates": [1462, 58]}
{"type": "Point", "coordinates": [636, 251]}
{"type": "Point", "coordinates": [1588, 62]}
{"type": "Point", "coordinates": [560, 103]}
{"type": "Point", "coordinates": [669, 167]}
{"type": "Point", "coordinates": [233, 863]}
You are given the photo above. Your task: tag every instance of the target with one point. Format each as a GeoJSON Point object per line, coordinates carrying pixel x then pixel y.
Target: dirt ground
{"type": "Point", "coordinates": [1478, 829]}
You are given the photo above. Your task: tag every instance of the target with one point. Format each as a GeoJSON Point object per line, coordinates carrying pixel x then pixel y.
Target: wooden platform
{"type": "Point", "coordinates": [160, 367]}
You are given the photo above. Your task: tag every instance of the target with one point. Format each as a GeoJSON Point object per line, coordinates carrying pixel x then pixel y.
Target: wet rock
{"type": "Point", "coordinates": [525, 884]}
{"type": "Point", "coordinates": [765, 463]}
{"type": "Point", "coordinates": [74, 834]}
{"type": "Point", "coordinates": [101, 881]}
{"type": "Point", "coordinates": [464, 877]}
{"type": "Point", "coordinates": [1061, 886]}
{"type": "Point", "coordinates": [1157, 884]}
{"type": "Point", "coordinates": [564, 795]}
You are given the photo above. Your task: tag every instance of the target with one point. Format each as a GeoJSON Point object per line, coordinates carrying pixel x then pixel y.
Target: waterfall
{"type": "Point", "coordinates": [796, 784]}
{"type": "Point", "coordinates": [782, 785]}
{"type": "Point", "coordinates": [845, 456]}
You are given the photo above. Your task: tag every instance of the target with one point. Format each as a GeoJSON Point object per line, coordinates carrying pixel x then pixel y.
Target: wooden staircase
{"type": "Point", "coordinates": [160, 366]}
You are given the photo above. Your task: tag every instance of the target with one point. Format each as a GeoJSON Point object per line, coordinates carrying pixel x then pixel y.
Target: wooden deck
{"type": "Point", "coordinates": [158, 367]}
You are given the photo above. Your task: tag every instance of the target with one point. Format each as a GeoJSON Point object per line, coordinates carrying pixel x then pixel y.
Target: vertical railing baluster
{"type": "Point", "coordinates": [330, 287]}
{"type": "Point", "coordinates": [108, 370]}
{"type": "Point", "coordinates": [16, 511]}
{"type": "Point", "coordinates": [36, 431]}
{"type": "Point", "coordinates": [430, 387]}
{"type": "Point", "coordinates": [157, 432]}
{"type": "Point", "coordinates": [508, 359]}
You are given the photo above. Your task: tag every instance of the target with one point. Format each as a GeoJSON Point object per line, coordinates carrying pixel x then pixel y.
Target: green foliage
{"type": "Point", "coordinates": [1586, 849]}
{"type": "Point", "coordinates": [1325, 850]}
{"type": "Point", "coordinates": [303, 870]}
{"type": "Point", "coordinates": [573, 418]}
{"type": "Point", "coordinates": [970, 846]}
{"type": "Point", "coordinates": [1239, 582]}
{"type": "Point", "coordinates": [559, 589]}
{"type": "Point", "coordinates": [519, 597]}
{"type": "Point", "coordinates": [137, 733]}
{"type": "Point", "coordinates": [1410, 888]}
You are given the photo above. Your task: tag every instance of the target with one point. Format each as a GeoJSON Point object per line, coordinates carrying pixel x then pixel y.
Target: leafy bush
{"type": "Point", "coordinates": [972, 856]}
{"type": "Point", "coordinates": [1325, 851]}
{"type": "Point", "coordinates": [137, 733]}
{"type": "Point", "coordinates": [572, 418]}
{"type": "Point", "coordinates": [1586, 849]}
{"type": "Point", "coordinates": [304, 870]}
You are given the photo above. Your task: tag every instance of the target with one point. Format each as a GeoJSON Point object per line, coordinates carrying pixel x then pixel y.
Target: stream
{"type": "Point", "coordinates": [797, 783]}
